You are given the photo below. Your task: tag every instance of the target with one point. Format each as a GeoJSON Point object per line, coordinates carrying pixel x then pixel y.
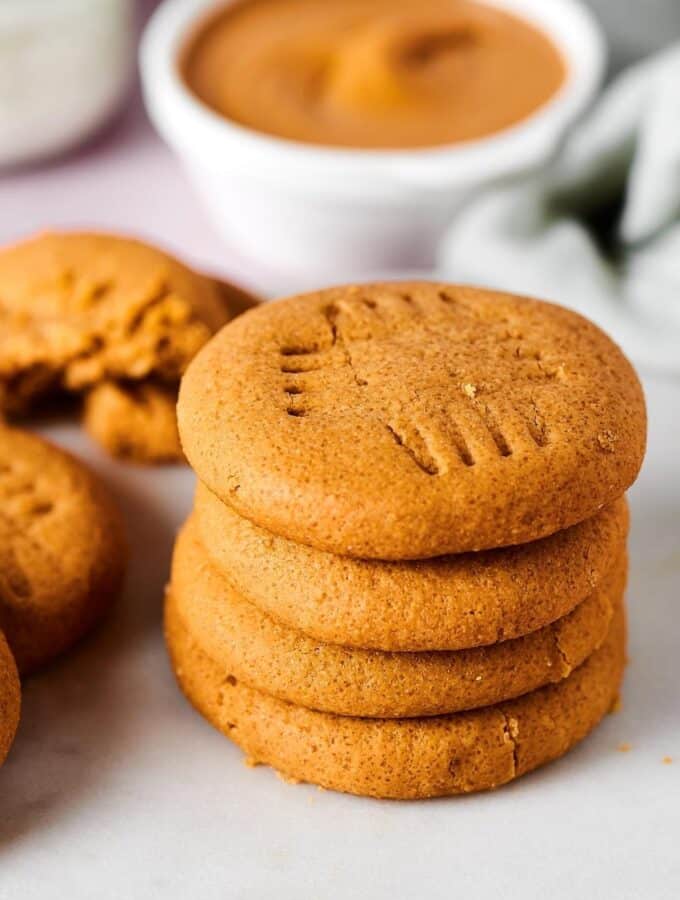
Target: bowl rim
{"type": "Point", "coordinates": [197, 131]}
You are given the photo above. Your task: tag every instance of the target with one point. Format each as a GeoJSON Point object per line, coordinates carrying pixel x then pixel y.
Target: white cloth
{"type": "Point", "coordinates": [532, 237]}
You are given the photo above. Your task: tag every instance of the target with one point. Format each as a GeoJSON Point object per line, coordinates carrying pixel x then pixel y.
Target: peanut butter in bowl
{"type": "Point", "coordinates": [373, 74]}
{"type": "Point", "coordinates": [335, 140]}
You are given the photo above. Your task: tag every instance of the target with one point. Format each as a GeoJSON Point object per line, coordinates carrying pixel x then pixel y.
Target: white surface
{"type": "Point", "coordinates": [342, 212]}
{"type": "Point", "coordinates": [116, 788]}
{"type": "Point", "coordinates": [65, 66]}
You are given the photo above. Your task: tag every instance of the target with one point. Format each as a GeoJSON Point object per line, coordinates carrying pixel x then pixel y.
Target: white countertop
{"type": "Point", "coordinates": [116, 788]}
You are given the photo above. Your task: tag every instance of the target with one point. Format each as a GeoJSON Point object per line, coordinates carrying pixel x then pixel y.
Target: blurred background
{"type": "Point", "coordinates": [634, 29]}
{"type": "Point", "coordinates": [122, 176]}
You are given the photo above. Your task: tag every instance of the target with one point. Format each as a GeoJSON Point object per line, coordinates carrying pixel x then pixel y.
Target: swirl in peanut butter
{"type": "Point", "coordinates": [372, 73]}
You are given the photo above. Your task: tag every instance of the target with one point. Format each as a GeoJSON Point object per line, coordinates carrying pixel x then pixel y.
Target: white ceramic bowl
{"type": "Point", "coordinates": [336, 213]}
{"type": "Point", "coordinates": [64, 68]}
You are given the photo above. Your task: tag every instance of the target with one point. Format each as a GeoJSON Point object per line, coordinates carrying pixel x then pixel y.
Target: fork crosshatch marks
{"type": "Point", "coordinates": [412, 419]}
{"type": "Point", "coordinates": [351, 324]}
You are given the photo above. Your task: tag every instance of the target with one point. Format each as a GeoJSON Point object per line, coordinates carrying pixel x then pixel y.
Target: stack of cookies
{"type": "Point", "coordinates": [403, 575]}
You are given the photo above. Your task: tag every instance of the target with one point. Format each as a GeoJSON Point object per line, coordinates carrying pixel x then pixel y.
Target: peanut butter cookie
{"type": "Point", "coordinates": [402, 758]}
{"type": "Point", "coordinates": [80, 311]}
{"type": "Point", "coordinates": [410, 420]}
{"type": "Point", "coordinates": [62, 549]}
{"type": "Point", "coordinates": [136, 421]}
{"type": "Point", "coordinates": [10, 698]}
{"type": "Point", "coordinates": [264, 654]}
{"type": "Point", "coordinates": [447, 603]}
{"type": "Point", "coordinates": [76, 309]}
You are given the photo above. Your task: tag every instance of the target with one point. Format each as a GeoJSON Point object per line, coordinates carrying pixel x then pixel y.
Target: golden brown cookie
{"type": "Point", "coordinates": [447, 603]}
{"type": "Point", "coordinates": [62, 548]}
{"type": "Point", "coordinates": [77, 309]}
{"type": "Point", "coordinates": [409, 420]}
{"type": "Point", "coordinates": [10, 698]}
{"type": "Point", "coordinates": [136, 421]}
{"type": "Point", "coordinates": [264, 654]}
{"type": "Point", "coordinates": [402, 758]}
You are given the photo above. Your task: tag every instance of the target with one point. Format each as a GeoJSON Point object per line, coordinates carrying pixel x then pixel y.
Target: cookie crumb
{"type": "Point", "coordinates": [624, 748]}
{"type": "Point", "coordinates": [287, 779]}
{"type": "Point", "coordinates": [250, 762]}
{"type": "Point", "coordinates": [607, 441]}
{"type": "Point", "coordinates": [667, 760]}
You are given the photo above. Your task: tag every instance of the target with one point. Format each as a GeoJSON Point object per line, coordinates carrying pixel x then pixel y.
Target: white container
{"type": "Point", "coordinates": [345, 214]}
{"type": "Point", "coordinates": [64, 68]}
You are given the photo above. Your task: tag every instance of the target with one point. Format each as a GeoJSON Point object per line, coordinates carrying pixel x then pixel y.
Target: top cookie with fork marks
{"type": "Point", "coordinates": [408, 420]}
